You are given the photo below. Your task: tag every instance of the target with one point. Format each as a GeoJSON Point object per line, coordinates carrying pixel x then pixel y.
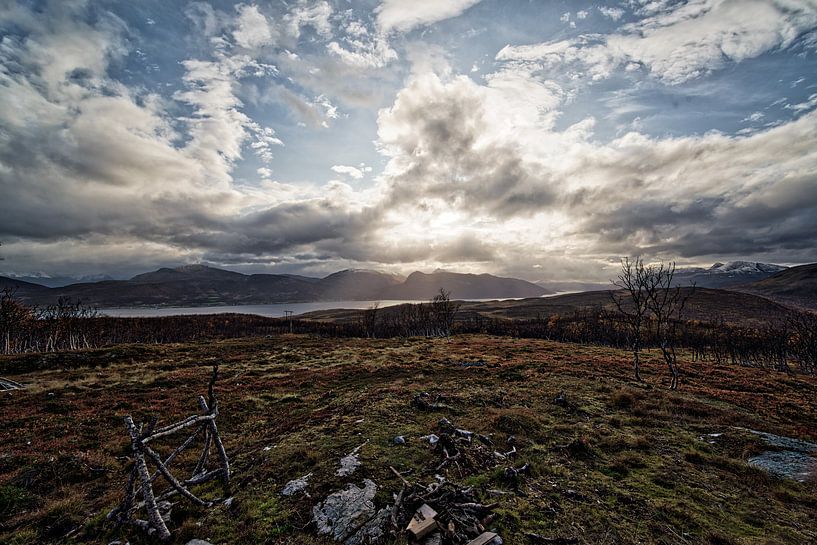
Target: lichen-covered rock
{"type": "Point", "coordinates": [348, 465]}
{"type": "Point", "coordinates": [793, 459]}
{"type": "Point", "coordinates": [349, 515]}
{"type": "Point", "coordinates": [374, 531]}
{"type": "Point", "coordinates": [296, 485]}
{"type": "Point", "coordinates": [788, 464]}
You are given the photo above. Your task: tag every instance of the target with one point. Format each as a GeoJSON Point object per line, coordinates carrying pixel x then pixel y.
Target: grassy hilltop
{"type": "Point", "coordinates": [617, 462]}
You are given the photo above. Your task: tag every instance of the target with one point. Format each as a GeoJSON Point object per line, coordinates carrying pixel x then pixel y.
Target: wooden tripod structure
{"type": "Point", "coordinates": [141, 480]}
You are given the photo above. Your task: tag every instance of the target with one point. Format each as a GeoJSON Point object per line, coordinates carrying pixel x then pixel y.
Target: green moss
{"type": "Point", "coordinates": [14, 499]}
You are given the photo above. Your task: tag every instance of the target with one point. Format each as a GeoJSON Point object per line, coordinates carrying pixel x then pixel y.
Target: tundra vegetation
{"type": "Point", "coordinates": [611, 460]}
{"type": "Point", "coordinates": [631, 422]}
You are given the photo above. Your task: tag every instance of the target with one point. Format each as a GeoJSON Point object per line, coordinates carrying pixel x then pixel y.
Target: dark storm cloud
{"type": "Point", "coordinates": [436, 131]}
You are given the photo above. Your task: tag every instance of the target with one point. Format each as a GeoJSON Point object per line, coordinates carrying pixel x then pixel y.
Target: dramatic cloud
{"type": "Point", "coordinates": [403, 16]}
{"type": "Point", "coordinates": [310, 136]}
{"type": "Point", "coordinates": [683, 42]}
{"type": "Point", "coordinates": [687, 197]}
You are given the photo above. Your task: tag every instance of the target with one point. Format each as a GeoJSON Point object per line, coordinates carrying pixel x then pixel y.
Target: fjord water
{"type": "Point", "coordinates": [275, 310]}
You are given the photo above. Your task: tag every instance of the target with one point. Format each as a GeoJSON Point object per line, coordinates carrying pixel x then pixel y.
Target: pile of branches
{"type": "Point", "coordinates": [460, 518]}
{"type": "Point", "coordinates": [461, 515]}
{"type": "Point", "coordinates": [464, 451]}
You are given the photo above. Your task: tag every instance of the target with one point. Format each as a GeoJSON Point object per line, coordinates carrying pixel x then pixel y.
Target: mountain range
{"type": "Point", "coordinates": [199, 285]}
{"type": "Point", "coordinates": [724, 275]}
{"type": "Point", "coordinates": [196, 285]}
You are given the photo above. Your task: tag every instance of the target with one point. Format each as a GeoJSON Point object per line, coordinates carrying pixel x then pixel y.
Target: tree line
{"type": "Point", "coordinates": [789, 347]}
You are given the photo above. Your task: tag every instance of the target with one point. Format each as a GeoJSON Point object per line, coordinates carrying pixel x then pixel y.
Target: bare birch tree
{"type": "Point", "coordinates": [631, 302]}
{"type": "Point", "coordinates": [666, 304]}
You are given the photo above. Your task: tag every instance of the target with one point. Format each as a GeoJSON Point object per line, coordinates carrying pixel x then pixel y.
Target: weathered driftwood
{"type": "Point", "coordinates": [140, 480]}
{"type": "Point", "coordinates": [483, 539]}
{"type": "Point", "coordinates": [7, 384]}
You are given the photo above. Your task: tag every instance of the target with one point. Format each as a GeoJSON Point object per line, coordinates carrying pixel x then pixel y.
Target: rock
{"type": "Point", "coordinates": [374, 531]}
{"type": "Point", "coordinates": [793, 460]}
{"type": "Point", "coordinates": [296, 485]}
{"type": "Point", "coordinates": [432, 438]}
{"type": "Point", "coordinates": [349, 463]}
{"type": "Point", "coordinates": [788, 464]}
{"type": "Point", "coordinates": [349, 515]}
{"type": "Point", "coordinates": [787, 443]}
{"type": "Point", "coordinates": [399, 440]}
{"type": "Point", "coordinates": [198, 542]}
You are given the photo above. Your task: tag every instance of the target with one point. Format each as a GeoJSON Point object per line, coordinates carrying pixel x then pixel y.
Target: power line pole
{"type": "Point", "coordinates": [288, 316]}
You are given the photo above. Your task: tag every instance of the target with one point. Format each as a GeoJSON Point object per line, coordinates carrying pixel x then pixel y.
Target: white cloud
{"type": "Point", "coordinates": [805, 106]}
{"type": "Point", "coordinates": [681, 42]}
{"type": "Point", "coordinates": [404, 15]}
{"type": "Point", "coordinates": [363, 50]}
{"type": "Point", "coordinates": [753, 117]}
{"type": "Point", "coordinates": [472, 159]}
{"type": "Point", "coordinates": [252, 28]}
{"type": "Point", "coordinates": [582, 14]}
{"type": "Point", "coordinates": [611, 12]}
{"type": "Point", "coordinates": [352, 172]}
{"type": "Point", "coordinates": [316, 15]}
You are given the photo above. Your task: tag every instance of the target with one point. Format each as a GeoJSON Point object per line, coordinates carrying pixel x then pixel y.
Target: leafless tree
{"type": "Point", "coordinates": [13, 319]}
{"type": "Point", "coordinates": [369, 320]}
{"type": "Point", "coordinates": [666, 304]}
{"type": "Point", "coordinates": [803, 340]}
{"type": "Point", "coordinates": [631, 301]}
{"type": "Point", "coordinates": [443, 310]}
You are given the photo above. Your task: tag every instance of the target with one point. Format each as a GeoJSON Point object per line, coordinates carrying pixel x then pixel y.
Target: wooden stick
{"type": "Point", "coordinates": [171, 479]}
{"type": "Point", "coordinates": [173, 428]}
{"type": "Point", "coordinates": [204, 477]}
{"type": "Point", "coordinates": [222, 454]}
{"type": "Point", "coordinates": [400, 476]}
{"type": "Point", "coordinates": [152, 509]}
{"type": "Point", "coordinates": [205, 453]}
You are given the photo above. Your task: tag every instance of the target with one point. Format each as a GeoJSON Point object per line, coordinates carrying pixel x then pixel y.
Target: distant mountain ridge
{"type": "Point", "coordinates": [199, 285]}
{"type": "Point", "coordinates": [796, 286]}
{"type": "Point", "coordinates": [725, 275]}
{"type": "Point", "coordinates": [58, 281]}
{"type": "Point", "coordinates": [462, 286]}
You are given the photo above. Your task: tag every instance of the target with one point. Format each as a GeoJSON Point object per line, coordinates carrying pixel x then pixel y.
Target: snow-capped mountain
{"type": "Point", "coordinates": [745, 267]}
{"type": "Point", "coordinates": [723, 275]}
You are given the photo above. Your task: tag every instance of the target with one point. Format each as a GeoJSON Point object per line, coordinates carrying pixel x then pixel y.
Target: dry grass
{"type": "Point", "coordinates": [619, 463]}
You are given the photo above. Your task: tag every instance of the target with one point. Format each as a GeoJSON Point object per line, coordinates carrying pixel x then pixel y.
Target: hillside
{"type": "Point", "coordinates": [197, 285]}
{"type": "Point", "coordinates": [21, 288]}
{"type": "Point", "coordinates": [356, 284]}
{"type": "Point", "coordinates": [422, 287]}
{"type": "Point", "coordinates": [796, 286]}
{"type": "Point", "coordinates": [725, 275]}
{"type": "Point", "coordinates": [610, 461]}
{"type": "Point", "coordinates": [705, 304]}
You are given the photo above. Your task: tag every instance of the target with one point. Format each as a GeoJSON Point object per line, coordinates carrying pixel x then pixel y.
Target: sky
{"type": "Point", "coordinates": [536, 139]}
